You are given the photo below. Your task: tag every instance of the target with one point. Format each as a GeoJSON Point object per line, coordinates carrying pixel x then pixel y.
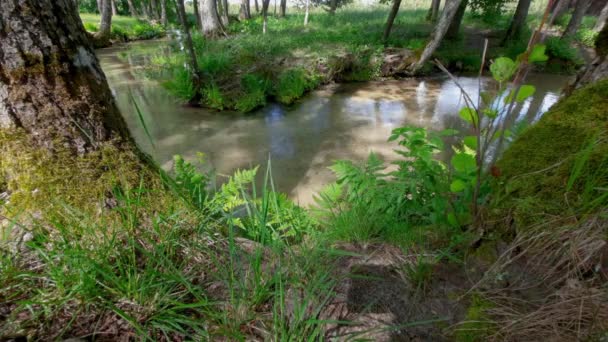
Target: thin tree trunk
{"type": "Point", "coordinates": [577, 18]}
{"type": "Point", "coordinates": [197, 14]}
{"type": "Point", "coordinates": [333, 5]}
{"type": "Point", "coordinates": [210, 23]}
{"type": "Point", "coordinates": [191, 54]}
{"type": "Point", "coordinates": [225, 18]}
{"type": "Point", "coordinates": [163, 13]}
{"type": "Point", "coordinates": [265, 5]}
{"type": "Point", "coordinates": [307, 12]}
{"type": "Point", "coordinates": [433, 11]}
{"type": "Point", "coordinates": [154, 9]}
{"type": "Point", "coordinates": [105, 25]}
{"type": "Point", "coordinates": [99, 6]}
{"type": "Point", "coordinates": [145, 9]}
{"type": "Point", "coordinates": [283, 8]}
{"type": "Point", "coordinates": [132, 9]}
{"type": "Point", "coordinates": [454, 28]}
{"type": "Point", "coordinates": [391, 19]}
{"type": "Point", "coordinates": [601, 19]}
{"type": "Point", "coordinates": [518, 21]}
{"type": "Point", "coordinates": [257, 7]}
{"type": "Point", "coordinates": [560, 8]}
{"type": "Point", "coordinates": [448, 14]}
{"type": "Point", "coordinates": [52, 86]}
{"type": "Point", "coordinates": [244, 12]}
{"type": "Point", "coordinates": [113, 7]}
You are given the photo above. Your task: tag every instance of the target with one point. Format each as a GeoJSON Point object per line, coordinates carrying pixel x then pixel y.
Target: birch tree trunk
{"type": "Point", "coordinates": [577, 18]}
{"type": "Point", "coordinates": [601, 19]}
{"type": "Point", "coordinates": [210, 23]}
{"type": "Point", "coordinates": [518, 21]}
{"type": "Point", "coordinates": [391, 19]}
{"type": "Point", "coordinates": [51, 84]}
{"type": "Point", "coordinates": [449, 11]}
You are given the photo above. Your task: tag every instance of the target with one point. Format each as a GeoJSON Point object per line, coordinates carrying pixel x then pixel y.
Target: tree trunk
{"type": "Point", "coordinates": [197, 14]}
{"type": "Point", "coordinates": [191, 54]}
{"type": "Point", "coordinates": [283, 8]}
{"type": "Point", "coordinates": [391, 19]}
{"type": "Point", "coordinates": [51, 84]}
{"type": "Point", "coordinates": [265, 5]}
{"type": "Point", "coordinates": [132, 9]}
{"type": "Point", "coordinates": [257, 6]}
{"type": "Point", "coordinates": [99, 6]}
{"type": "Point", "coordinates": [601, 19]}
{"type": "Point", "coordinates": [448, 14]}
{"type": "Point", "coordinates": [244, 12]}
{"type": "Point", "coordinates": [113, 7]}
{"type": "Point", "coordinates": [333, 5]}
{"type": "Point", "coordinates": [225, 18]}
{"type": "Point", "coordinates": [163, 13]}
{"type": "Point", "coordinates": [560, 8]}
{"type": "Point", "coordinates": [153, 9]}
{"type": "Point", "coordinates": [454, 28]}
{"type": "Point", "coordinates": [518, 21]}
{"type": "Point", "coordinates": [210, 23]}
{"type": "Point", "coordinates": [577, 18]}
{"type": "Point", "coordinates": [596, 70]}
{"type": "Point", "coordinates": [433, 11]}
{"type": "Point", "coordinates": [145, 9]}
{"type": "Point", "coordinates": [307, 12]}
{"type": "Point", "coordinates": [105, 25]}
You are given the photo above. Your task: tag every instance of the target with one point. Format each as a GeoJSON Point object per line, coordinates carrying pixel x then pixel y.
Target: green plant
{"type": "Point", "coordinates": [91, 27]}
{"type": "Point", "coordinates": [587, 37]}
{"type": "Point", "coordinates": [214, 97]}
{"type": "Point", "coordinates": [191, 183]}
{"type": "Point", "coordinates": [419, 273]}
{"type": "Point", "coordinates": [291, 85]}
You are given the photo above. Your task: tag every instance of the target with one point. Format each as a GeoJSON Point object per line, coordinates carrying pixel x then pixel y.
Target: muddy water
{"type": "Point", "coordinates": [345, 121]}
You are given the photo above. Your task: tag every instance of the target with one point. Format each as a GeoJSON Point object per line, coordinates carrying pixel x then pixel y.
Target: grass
{"type": "Point", "coordinates": [124, 28]}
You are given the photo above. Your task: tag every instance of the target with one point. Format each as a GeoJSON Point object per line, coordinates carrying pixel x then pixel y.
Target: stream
{"type": "Point", "coordinates": [337, 121]}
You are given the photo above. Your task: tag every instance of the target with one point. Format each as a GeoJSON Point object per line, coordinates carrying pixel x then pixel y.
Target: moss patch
{"type": "Point", "coordinates": [477, 325]}
{"type": "Point", "coordinates": [541, 163]}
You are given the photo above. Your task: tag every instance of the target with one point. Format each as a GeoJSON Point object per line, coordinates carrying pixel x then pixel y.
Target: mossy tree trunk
{"type": "Point", "coordinates": [454, 28]}
{"type": "Point", "coordinates": [448, 14]}
{"type": "Point", "coordinates": [577, 18]}
{"type": "Point", "coordinates": [391, 19]}
{"type": "Point", "coordinates": [518, 21]}
{"type": "Point", "coordinates": [51, 84]}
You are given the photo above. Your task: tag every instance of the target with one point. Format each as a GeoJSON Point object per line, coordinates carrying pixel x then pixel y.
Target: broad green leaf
{"type": "Point", "coordinates": [503, 68]}
{"type": "Point", "coordinates": [491, 113]}
{"type": "Point", "coordinates": [538, 54]}
{"type": "Point", "coordinates": [464, 163]}
{"type": "Point", "coordinates": [448, 132]}
{"type": "Point", "coordinates": [468, 114]}
{"type": "Point", "coordinates": [524, 92]}
{"type": "Point", "coordinates": [471, 142]}
{"type": "Point", "coordinates": [452, 220]}
{"type": "Point", "coordinates": [457, 185]}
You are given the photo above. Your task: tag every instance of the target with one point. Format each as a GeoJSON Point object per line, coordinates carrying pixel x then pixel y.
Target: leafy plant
{"type": "Point", "coordinates": [190, 182]}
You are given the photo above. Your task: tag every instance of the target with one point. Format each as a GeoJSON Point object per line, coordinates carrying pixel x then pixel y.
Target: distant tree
{"type": "Point", "coordinates": [257, 6]}
{"type": "Point", "coordinates": [113, 2]}
{"type": "Point", "coordinates": [518, 22]}
{"type": "Point", "coordinates": [307, 13]}
{"type": "Point", "coordinates": [560, 7]}
{"type": "Point", "coordinates": [390, 20]}
{"type": "Point", "coordinates": [333, 5]}
{"type": "Point", "coordinates": [577, 18]}
{"type": "Point", "coordinates": [105, 24]}
{"type": "Point", "coordinates": [454, 28]}
{"type": "Point", "coordinates": [224, 17]}
{"type": "Point", "coordinates": [283, 8]}
{"type": "Point", "coordinates": [210, 23]}
{"type": "Point", "coordinates": [245, 10]}
{"type": "Point", "coordinates": [448, 14]}
{"type": "Point", "coordinates": [197, 14]}
{"type": "Point", "coordinates": [602, 18]}
{"type": "Point", "coordinates": [190, 53]}
{"type": "Point", "coordinates": [265, 5]}
{"type": "Point", "coordinates": [53, 88]}
{"type": "Point", "coordinates": [163, 13]}
{"type": "Point", "coordinates": [132, 9]}
{"type": "Point", "coordinates": [433, 12]}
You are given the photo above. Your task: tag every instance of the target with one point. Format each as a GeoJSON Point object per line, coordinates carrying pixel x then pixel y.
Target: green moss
{"type": "Point", "coordinates": [477, 325]}
{"type": "Point", "coordinates": [46, 186]}
{"type": "Point", "coordinates": [539, 164]}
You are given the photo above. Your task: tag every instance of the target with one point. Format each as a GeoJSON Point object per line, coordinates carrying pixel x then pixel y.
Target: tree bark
{"type": "Point", "coordinates": [99, 6]}
{"type": "Point", "coordinates": [433, 11]}
{"type": "Point", "coordinates": [518, 21]}
{"type": "Point", "coordinates": [132, 9]}
{"type": "Point", "coordinates": [601, 19]}
{"type": "Point", "coordinates": [105, 25]}
{"type": "Point", "coordinates": [454, 28]}
{"type": "Point", "coordinates": [197, 14]}
{"type": "Point", "coordinates": [265, 5]}
{"type": "Point", "coordinates": [577, 18]}
{"type": "Point", "coordinates": [560, 8]}
{"type": "Point", "coordinates": [257, 6]}
{"type": "Point", "coordinates": [163, 13]}
{"type": "Point", "coordinates": [333, 5]}
{"type": "Point", "coordinates": [448, 14]}
{"type": "Point", "coordinates": [51, 84]}
{"type": "Point", "coordinates": [210, 23]}
{"type": "Point", "coordinates": [244, 12]}
{"type": "Point", "coordinates": [154, 9]}
{"type": "Point", "coordinates": [596, 70]}
{"type": "Point", "coordinates": [189, 47]}
{"type": "Point", "coordinates": [307, 12]}
{"type": "Point", "coordinates": [391, 19]}
{"type": "Point", "coordinates": [114, 12]}
{"type": "Point", "coordinates": [145, 9]}
{"type": "Point", "coordinates": [283, 9]}
{"type": "Point", "coordinates": [225, 18]}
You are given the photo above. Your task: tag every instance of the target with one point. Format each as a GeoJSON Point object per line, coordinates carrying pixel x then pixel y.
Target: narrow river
{"type": "Point", "coordinates": [338, 121]}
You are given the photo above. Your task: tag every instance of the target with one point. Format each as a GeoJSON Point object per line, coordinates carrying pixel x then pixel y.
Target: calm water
{"type": "Point", "coordinates": [344, 121]}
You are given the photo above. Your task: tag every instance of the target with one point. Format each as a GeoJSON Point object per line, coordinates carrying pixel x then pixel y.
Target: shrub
{"type": "Point", "coordinates": [291, 85]}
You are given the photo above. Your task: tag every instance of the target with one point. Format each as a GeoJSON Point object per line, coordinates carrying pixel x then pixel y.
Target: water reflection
{"type": "Point", "coordinates": [337, 122]}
